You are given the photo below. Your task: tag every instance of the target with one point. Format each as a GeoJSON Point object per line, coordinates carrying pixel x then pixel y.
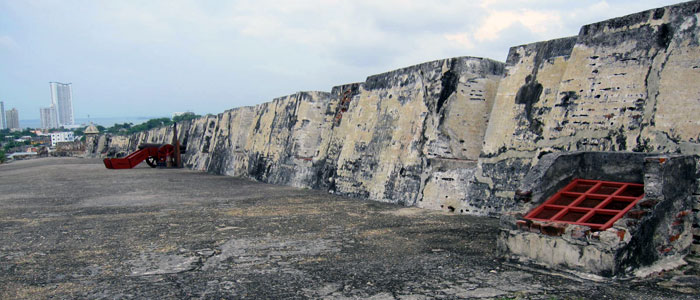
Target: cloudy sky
{"type": "Point", "coordinates": [151, 58]}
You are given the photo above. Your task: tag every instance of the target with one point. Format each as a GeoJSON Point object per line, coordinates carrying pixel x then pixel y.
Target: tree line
{"type": "Point", "coordinates": [129, 128]}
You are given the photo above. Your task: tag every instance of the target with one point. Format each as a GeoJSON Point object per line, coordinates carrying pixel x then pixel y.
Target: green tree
{"type": "Point", "coordinates": [185, 116]}
{"type": "Point", "coordinates": [120, 128]}
{"type": "Point", "coordinates": [8, 135]}
{"type": "Point", "coordinates": [7, 146]}
{"type": "Point", "coordinates": [129, 128]}
{"type": "Point", "coordinates": [2, 156]}
{"type": "Point", "coordinates": [79, 131]}
{"type": "Point", "coordinates": [150, 124]}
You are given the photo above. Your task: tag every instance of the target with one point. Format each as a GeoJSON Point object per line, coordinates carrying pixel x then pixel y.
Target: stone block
{"type": "Point", "coordinates": [612, 237]}
{"type": "Point", "coordinates": [579, 232]}
{"type": "Point", "coordinates": [553, 229]}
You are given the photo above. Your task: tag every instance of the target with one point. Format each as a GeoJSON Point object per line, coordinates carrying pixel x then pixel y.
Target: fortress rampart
{"type": "Point", "coordinates": [459, 134]}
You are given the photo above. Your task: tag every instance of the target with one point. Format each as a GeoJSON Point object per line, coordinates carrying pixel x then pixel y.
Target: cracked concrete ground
{"type": "Point", "coordinates": [69, 228]}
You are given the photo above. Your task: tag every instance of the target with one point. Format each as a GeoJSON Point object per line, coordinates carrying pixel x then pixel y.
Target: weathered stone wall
{"type": "Point", "coordinates": [409, 136]}
{"type": "Point", "coordinates": [460, 134]}
{"type": "Point", "coordinates": [626, 84]}
{"type": "Point", "coordinates": [524, 102]}
{"type": "Point", "coordinates": [406, 130]}
{"type": "Point", "coordinates": [285, 138]}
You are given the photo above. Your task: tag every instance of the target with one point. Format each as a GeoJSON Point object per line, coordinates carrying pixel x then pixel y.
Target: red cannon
{"type": "Point", "coordinates": [154, 155]}
{"type": "Point", "coordinates": [164, 155]}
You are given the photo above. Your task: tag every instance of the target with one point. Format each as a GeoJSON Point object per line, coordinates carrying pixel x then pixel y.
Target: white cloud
{"type": "Point", "coordinates": [491, 3]}
{"type": "Point", "coordinates": [461, 39]}
{"type": "Point", "coordinates": [538, 22]}
{"type": "Point", "coordinates": [600, 6]}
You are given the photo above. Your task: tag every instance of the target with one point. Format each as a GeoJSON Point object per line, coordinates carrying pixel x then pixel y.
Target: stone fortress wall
{"type": "Point", "coordinates": [460, 134]}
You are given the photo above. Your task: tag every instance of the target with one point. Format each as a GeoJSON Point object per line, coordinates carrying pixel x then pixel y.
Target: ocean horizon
{"type": "Point", "coordinates": [106, 122]}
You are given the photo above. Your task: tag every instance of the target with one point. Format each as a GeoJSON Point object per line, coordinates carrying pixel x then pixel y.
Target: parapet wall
{"type": "Point", "coordinates": [460, 134]}
{"type": "Point", "coordinates": [410, 136]}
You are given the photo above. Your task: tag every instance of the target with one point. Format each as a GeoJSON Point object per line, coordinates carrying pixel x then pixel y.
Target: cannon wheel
{"type": "Point", "coordinates": [151, 161]}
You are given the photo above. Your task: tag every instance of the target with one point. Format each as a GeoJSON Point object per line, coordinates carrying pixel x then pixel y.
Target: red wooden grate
{"type": "Point", "coordinates": [593, 203]}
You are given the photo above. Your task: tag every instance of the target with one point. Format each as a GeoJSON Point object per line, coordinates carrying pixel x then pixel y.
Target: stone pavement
{"type": "Point", "coordinates": [69, 228]}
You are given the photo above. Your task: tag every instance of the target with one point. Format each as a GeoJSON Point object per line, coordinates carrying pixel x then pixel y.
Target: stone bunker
{"type": "Point", "coordinates": [655, 230]}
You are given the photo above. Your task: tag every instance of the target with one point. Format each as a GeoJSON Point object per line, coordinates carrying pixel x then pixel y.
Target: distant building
{"type": "Point", "coordinates": [48, 117]}
{"type": "Point", "coordinates": [21, 155]}
{"type": "Point", "coordinates": [62, 100]}
{"type": "Point", "coordinates": [3, 123]}
{"type": "Point", "coordinates": [91, 133]}
{"type": "Point", "coordinates": [12, 118]}
{"type": "Point", "coordinates": [74, 126]}
{"type": "Point", "coordinates": [92, 129]}
{"type": "Point", "coordinates": [41, 140]}
{"type": "Point", "coordinates": [57, 137]}
{"type": "Point", "coordinates": [69, 148]}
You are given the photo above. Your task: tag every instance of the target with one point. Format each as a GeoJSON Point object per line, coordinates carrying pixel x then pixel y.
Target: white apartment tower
{"type": "Point", "coordinates": [48, 117]}
{"type": "Point", "coordinates": [12, 117]}
{"type": "Point", "coordinates": [62, 101]}
{"type": "Point", "coordinates": [3, 122]}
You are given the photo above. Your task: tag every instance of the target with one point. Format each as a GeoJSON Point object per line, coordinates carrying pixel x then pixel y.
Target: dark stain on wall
{"type": "Point", "coordinates": [529, 94]}
{"type": "Point", "coordinates": [659, 13]}
{"type": "Point", "coordinates": [449, 85]}
{"type": "Point", "coordinates": [257, 167]}
{"type": "Point", "coordinates": [205, 145]}
{"type": "Point", "coordinates": [567, 99]}
{"type": "Point", "coordinates": [664, 36]}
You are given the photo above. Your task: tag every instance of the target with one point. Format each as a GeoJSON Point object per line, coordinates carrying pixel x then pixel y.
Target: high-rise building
{"type": "Point", "coordinates": [48, 117]}
{"type": "Point", "coordinates": [62, 100]}
{"type": "Point", "coordinates": [12, 117]}
{"type": "Point", "coordinates": [3, 122]}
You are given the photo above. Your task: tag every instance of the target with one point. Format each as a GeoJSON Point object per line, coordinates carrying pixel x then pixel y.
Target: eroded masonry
{"type": "Point", "coordinates": [470, 135]}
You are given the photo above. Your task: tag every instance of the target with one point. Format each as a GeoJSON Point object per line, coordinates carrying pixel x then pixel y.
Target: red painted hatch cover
{"type": "Point", "coordinates": [593, 203]}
